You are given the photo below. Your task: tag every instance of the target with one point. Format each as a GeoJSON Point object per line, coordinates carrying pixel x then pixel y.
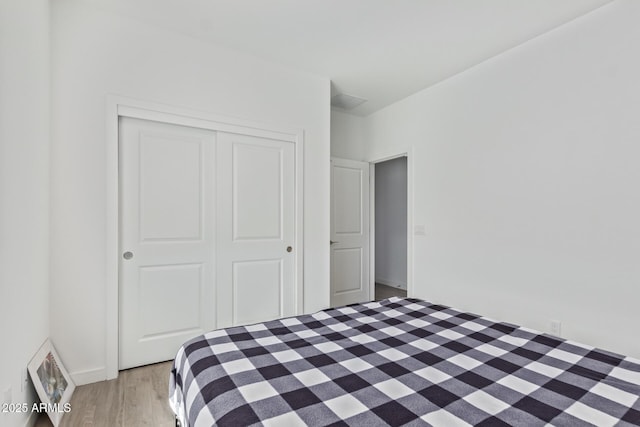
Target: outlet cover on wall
{"type": "Point", "coordinates": [556, 328]}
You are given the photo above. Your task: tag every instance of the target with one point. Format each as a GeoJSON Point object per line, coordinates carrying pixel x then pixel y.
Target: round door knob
{"type": "Point", "coordinates": [289, 248]}
{"type": "Point", "coordinates": [127, 255]}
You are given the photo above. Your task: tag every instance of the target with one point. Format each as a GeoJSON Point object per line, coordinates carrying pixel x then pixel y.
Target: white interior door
{"type": "Point", "coordinates": [167, 242]}
{"type": "Point", "coordinates": [256, 229]}
{"type": "Point", "coordinates": [349, 232]}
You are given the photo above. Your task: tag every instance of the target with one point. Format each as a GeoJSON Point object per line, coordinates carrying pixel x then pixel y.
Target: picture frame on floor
{"type": "Point", "coordinates": [52, 382]}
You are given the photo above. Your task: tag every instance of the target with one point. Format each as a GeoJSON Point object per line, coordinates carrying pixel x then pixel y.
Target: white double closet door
{"type": "Point", "coordinates": [207, 227]}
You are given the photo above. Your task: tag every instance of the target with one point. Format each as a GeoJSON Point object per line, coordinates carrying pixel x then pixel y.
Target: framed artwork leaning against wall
{"type": "Point", "coordinates": [52, 382]}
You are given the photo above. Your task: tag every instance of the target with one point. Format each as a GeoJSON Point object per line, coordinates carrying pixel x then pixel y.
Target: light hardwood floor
{"type": "Point", "coordinates": [138, 397]}
{"type": "Point", "coordinates": [384, 291]}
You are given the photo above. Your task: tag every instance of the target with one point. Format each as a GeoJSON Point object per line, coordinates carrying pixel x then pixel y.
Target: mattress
{"type": "Point", "coordinates": [398, 362]}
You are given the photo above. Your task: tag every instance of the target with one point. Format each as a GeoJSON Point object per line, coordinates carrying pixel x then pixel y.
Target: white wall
{"type": "Point", "coordinates": [391, 222]}
{"type": "Point", "coordinates": [526, 179]}
{"type": "Point", "coordinates": [24, 193]}
{"type": "Point", "coordinates": [96, 53]}
{"type": "Point", "coordinates": [347, 136]}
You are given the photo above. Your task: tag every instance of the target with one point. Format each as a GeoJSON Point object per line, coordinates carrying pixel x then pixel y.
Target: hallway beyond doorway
{"type": "Point", "coordinates": [384, 291]}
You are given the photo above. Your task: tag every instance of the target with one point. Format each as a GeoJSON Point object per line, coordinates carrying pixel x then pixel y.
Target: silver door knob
{"type": "Point", "coordinates": [127, 255]}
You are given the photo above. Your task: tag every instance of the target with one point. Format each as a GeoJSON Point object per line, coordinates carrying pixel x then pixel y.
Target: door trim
{"type": "Point", "coordinates": [119, 106]}
{"type": "Point", "coordinates": [408, 153]}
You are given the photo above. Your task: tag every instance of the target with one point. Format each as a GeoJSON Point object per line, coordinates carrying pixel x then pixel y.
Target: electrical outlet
{"type": "Point", "coordinates": [556, 328]}
{"type": "Point", "coordinates": [7, 397]}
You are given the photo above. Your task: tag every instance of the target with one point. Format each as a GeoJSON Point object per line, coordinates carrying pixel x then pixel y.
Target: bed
{"type": "Point", "coordinates": [399, 361]}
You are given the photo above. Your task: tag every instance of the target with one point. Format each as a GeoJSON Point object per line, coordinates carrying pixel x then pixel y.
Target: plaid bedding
{"type": "Point", "coordinates": [396, 362]}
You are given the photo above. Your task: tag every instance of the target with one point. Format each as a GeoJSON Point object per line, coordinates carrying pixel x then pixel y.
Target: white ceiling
{"type": "Point", "coordinates": [380, 50]}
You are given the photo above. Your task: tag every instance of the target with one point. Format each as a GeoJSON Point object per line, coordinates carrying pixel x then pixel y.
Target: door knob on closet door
{"type": "Point", "coordinates": [127, 255]}
{"type": "Point", "coordinates": [289, 248]}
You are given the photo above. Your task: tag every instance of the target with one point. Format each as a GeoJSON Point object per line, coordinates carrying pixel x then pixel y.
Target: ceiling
{"type": "Point", "coordinates": [380, 50]}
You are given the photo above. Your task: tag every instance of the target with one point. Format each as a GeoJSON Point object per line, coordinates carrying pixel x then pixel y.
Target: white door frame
{"type": "Point", "coordinates": [118, 106]}
{"type": "Point", "coordinates": [372, 222]}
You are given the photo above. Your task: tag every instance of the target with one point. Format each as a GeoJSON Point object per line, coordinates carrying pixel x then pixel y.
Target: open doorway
{"type": "Point", "coordinates": [390, 215]}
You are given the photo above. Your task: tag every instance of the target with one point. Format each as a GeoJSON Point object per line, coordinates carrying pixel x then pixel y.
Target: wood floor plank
{"type": "Point", "coordinates": [138, 397]}
{"type": "Point", "coordinates": [384, 291]}
{"type": "Point", "coordinates": [146, 396]}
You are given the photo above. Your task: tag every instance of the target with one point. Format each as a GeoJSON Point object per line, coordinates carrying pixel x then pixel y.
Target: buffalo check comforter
{"type": "Point", "coordinates": [399, 362]}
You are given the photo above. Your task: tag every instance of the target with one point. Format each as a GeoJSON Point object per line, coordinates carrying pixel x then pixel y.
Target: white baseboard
{"type": "Point", "coordinates": [392, 283]}
{"type": "Point", "coordinates": [89, 376]}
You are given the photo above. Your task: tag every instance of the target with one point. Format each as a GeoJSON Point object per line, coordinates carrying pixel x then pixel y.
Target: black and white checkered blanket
{"type": "Point", "coordinates": [396, 362]}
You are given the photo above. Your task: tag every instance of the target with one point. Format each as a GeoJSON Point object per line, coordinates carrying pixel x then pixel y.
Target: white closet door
{"type": "Point", "coordinates": [167, 278]}
{"type": "Point", "coordinates": [349, 232]}
{"type": "Point", "coordinates": [256, 229]}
